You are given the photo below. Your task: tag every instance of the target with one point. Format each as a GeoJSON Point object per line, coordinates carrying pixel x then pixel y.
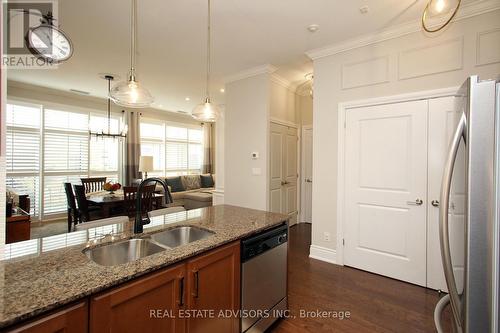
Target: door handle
{"type": "Point", "coordinates": [196, 284]}
{"type": "Point", "coordinates": [444, 236]}
{"type": "Point", "coordinates": [181, 291]}
{"type": "Point", "coordinates": [417, 202]}
{"type": "Point", "coordinates": [283, 182]}
{"type": "Point", "coordinates": [435, 203]}
{"type": "Point", "coordinates": [308, 180]}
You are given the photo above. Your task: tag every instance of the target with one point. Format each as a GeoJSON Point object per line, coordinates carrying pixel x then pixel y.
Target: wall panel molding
{"type": "Point", "coordinates": [440, 57]}
{"type": "Point", "coordinates": [365, 73]}
{"type": "Point", "coordinates": [488, 47]}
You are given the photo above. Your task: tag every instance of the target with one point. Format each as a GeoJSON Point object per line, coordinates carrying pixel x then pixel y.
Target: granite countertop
{"type": "Point", "coordinates": [40, 275]}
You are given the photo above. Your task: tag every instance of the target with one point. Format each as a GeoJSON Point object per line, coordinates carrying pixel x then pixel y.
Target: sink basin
{"type": "Point", "coordinates": [180, 236]}
{"type": "Point", "coordinates": [123, 252]}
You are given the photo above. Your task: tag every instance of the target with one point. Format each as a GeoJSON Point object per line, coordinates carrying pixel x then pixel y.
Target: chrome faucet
{"type": "Point", "coordinates": [139, 220]}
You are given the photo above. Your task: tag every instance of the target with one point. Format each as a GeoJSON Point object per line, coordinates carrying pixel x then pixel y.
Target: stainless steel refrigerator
{"type": "Point", "coordinates": [474, 297]}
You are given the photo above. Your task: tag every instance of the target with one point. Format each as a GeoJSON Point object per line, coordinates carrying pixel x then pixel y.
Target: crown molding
{"type": "Point", "coordinates": [263, 69]}
{"type": "Point", "coordinates": [283, 82]}
{"type": "Point", "coordinates": [466, 11]}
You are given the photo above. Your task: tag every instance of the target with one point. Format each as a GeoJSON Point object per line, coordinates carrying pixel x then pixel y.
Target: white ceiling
{"type": "Point", "coordinates": [172, 37]}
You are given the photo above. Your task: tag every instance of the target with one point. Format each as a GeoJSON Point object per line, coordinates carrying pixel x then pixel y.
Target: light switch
{"type": "Point", "coordinates": [256, 171]}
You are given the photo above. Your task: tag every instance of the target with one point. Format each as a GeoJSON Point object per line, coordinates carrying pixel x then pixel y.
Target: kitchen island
{"type": "Point", "coordinates": [54, 273]}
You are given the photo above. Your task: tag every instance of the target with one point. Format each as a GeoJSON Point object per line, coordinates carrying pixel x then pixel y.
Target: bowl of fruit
{"type": "Point", "coordinates": [111, 187]}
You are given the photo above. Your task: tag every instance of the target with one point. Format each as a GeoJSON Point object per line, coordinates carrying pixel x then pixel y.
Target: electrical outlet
{"type": "Point", "coordinates": [326, 236]}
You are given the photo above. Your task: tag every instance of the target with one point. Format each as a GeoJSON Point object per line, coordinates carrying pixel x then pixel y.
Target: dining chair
{"type": "Point", "coordinates": [102, 222]}
{"type": "Point", "coordinates": [71, 205]}
{"type": "Point", "coordinates": [84, 210]}
{"type": "Point", "coordinates": [94, 184]}
{"type": "Point", "coordinates": [164, 211]}
{"type": "Point", "coordinates": [130, 196]}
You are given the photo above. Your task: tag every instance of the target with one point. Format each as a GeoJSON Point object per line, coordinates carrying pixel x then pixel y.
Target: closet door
{"type": "Point", "coordinates": [443, 118]}
{"type": "Point", "coordinates": [283, 171]}
{"type": "Point", "coordinates": [385, 190]}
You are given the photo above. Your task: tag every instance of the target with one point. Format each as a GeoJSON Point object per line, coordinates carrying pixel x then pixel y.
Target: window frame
{"type": "Point", "coordinates": [42, 173]}
{"type": "Point", "coordinates": [163, 142]}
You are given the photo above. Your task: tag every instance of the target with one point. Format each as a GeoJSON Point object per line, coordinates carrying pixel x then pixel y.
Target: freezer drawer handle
{"type": "Point", "coordinates": [435, 203]}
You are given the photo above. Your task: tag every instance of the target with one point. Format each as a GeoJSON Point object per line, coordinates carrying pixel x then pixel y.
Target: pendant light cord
{"type": "Point", "coordinates": [208, 51]}
{"type": "Point", "coordinates": [133, 37]}
{"type": "Point", "coordinates": [109, 106]}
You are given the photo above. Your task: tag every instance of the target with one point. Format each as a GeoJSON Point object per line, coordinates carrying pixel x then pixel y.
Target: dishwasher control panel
{"type": "Point", "coordinates": [260, 243]}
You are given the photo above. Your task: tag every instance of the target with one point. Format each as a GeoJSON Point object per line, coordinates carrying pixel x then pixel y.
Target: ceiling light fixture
{"type": "Point", "coordinates": [313, 28]}
{"type": "Point", "coordinates": [207, 111]}
{"type": "Point", "coordinates": [222, 90]}
{"type": "Point", "coordinates": [130, 93]}
{"type": "Point", "coordinates": [438, 7]}
{"type": "Point", "coordinates": [108, 134]}
{"type": "Point", "coordinates": [187, 99]}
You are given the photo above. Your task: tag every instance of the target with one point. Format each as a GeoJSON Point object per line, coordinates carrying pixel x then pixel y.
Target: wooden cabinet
{"type": "Point", "coordinates": [148, 304]}
{"type": "Point", "coordinates": [214, 285]}
{"type": "Point", "coordinates": [72, 319]}
{"type": "Point", "coordinates": [169, 301]}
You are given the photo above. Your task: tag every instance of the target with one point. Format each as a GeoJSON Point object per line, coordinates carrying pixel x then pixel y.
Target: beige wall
{"type": "Point", "coordinates": [305, 109]}
{"type": "Point", "coordinates": [411, 63]}
{"type": "Point", "coordinates": [42, 94]}
{"type": "Point", "coordinates": [283, 103]}
{"type": "Point", "coordinates": [246, 131]}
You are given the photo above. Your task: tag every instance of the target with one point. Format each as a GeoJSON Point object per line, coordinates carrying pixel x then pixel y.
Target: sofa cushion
{"type": "Point", "coordinates": [175, 184]}
{"type": "Point", "coordinates": [191, 182]}
{"type": "Point", "coordinates": [206, 181]}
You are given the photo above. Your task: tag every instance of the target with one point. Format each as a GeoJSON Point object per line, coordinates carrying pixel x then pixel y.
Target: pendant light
{"type": "Point", "coordinates": [102, 134]}
{"type": "Point", "coordinates": [207, 111]}
{"type": "Point", "coordinates": [130, 93]}
{"type": "Point", "coordinates": [436, 8]}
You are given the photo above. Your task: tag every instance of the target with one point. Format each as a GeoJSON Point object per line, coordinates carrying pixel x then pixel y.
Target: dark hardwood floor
{"type": "Point", "coordinates": [375, 303]}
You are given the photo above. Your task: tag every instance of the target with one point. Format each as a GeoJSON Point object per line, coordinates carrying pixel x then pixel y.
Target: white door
{"type": "Point", "coordinates": [443, 119]}
{"type": "Point", "coordinates": [283, 171]}
{"type": "Point", "coordinates": [306, 203]}
{"type": "Point", "coordinates": [386, 177]}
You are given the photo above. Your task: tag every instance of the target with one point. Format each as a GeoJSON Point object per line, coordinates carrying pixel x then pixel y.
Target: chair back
{"type": "Point", "coordinates": [130, 197]}
{"type": "Point", "coordinates": [81, 200]}
{"type": "Point", "coordinates": [129, 193]}
{"type": "Point", "coordinates": [70, 196]}
{"type": "Point", "coordinates": [93, 184]}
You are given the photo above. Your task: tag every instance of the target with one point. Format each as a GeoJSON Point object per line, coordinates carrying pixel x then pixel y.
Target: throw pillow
{"type": "Point", "coordinates": [191, 182]}
{"type": "Point", "coordinates": [207, 181]}
{"type": "Point", "coordinates": [175, 184]}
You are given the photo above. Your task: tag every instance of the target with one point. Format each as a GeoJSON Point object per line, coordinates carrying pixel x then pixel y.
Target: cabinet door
{"type": "Point", "coordinates": [148, 304]}
{"type": "Point", "coordinates": [214, 285]}
{"type": "Point", "coordinates": [72, 319]}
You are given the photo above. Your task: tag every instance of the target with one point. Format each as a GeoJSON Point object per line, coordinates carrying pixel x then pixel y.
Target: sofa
{"type": "Point", "coordinates": [190, 191]}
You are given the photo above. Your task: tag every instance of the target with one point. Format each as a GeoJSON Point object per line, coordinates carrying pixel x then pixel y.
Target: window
{"type": "Point", "coordinates": [23, 151]}
{"type": "Point", "coordinates": [176, 149]}
{"type": "Point", "coordinates": [47, 147]}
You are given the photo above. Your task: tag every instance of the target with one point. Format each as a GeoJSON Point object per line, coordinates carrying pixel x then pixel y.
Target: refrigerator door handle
{"type": "Point", "coordinates": [443, 221]}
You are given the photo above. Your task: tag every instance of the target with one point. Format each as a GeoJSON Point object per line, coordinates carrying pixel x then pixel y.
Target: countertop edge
{"type": "Point", "coordinates": [25, 317]}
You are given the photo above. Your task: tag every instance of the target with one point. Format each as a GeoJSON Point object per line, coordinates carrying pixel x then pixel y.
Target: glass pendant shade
{"type": "Point", "coordinates": [131, 94]}
{"type": "Point", "coordinates": [206, 112]}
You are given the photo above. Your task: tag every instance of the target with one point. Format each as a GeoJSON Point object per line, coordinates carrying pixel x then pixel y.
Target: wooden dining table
{"type": "Point", "coordinates": [107, 201]}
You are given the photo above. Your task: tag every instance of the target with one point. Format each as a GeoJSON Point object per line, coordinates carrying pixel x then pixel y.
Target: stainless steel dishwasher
{"type": "Point", "coordinates": [264, 279]}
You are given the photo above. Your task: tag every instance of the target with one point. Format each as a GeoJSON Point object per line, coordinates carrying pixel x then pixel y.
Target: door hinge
{"type": "Point", "coordinates": [343, 242]}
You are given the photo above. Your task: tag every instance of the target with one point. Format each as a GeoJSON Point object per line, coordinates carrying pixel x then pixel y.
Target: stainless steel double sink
{"type": "Point", "coordinates": [136, 248]}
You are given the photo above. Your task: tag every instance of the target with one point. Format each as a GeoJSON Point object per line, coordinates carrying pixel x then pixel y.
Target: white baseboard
{"type": "Point", "coordinates": [323, 254]}
{"type": "Point", "coordinates": [218, 197]}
